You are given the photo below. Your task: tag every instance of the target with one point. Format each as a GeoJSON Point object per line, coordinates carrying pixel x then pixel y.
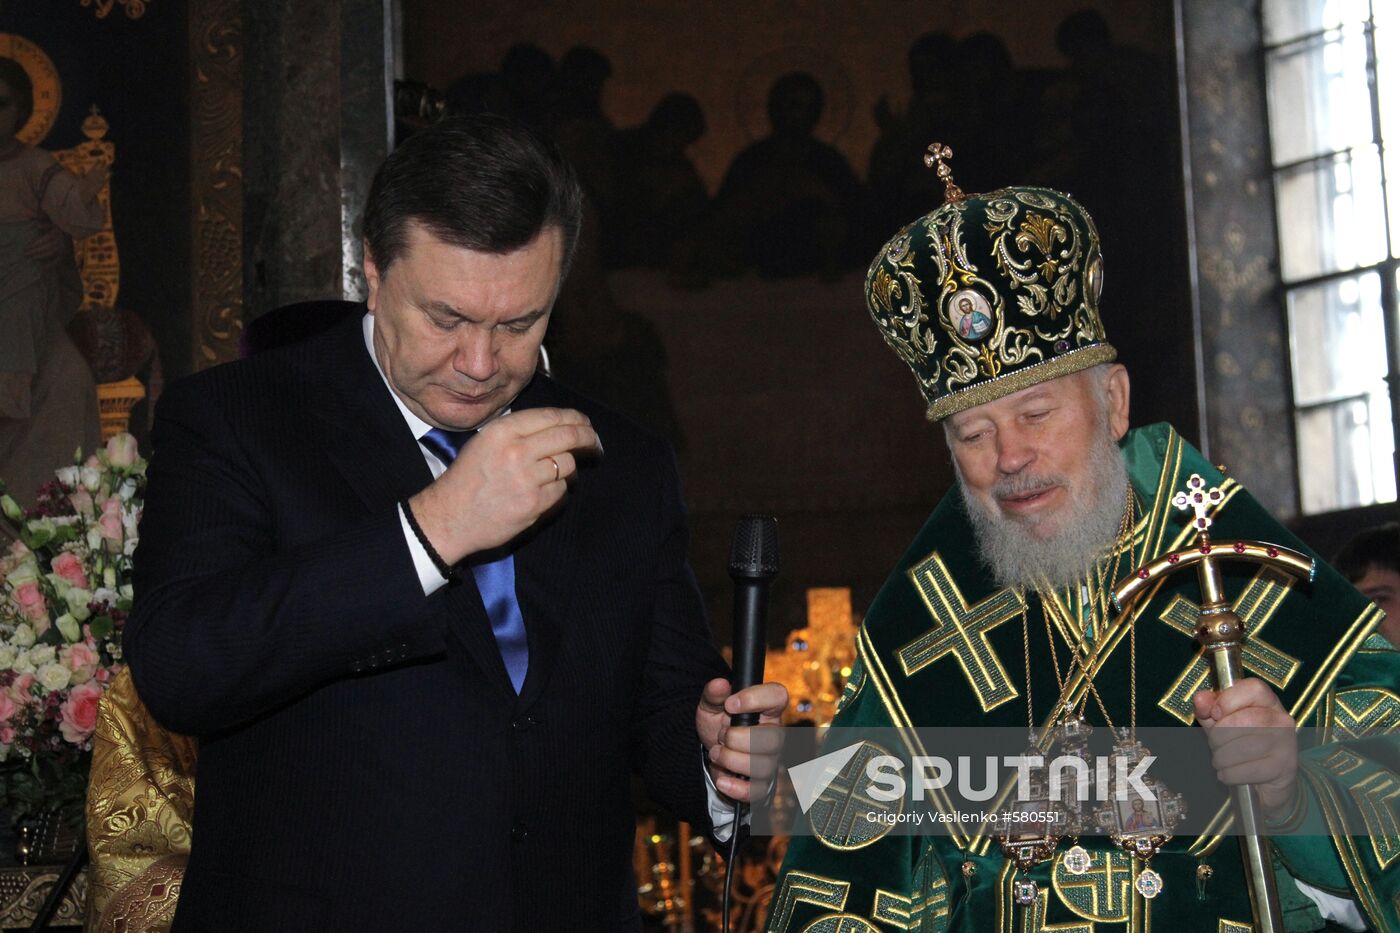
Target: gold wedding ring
{"type": "Point", "coordinates": [556, 468]}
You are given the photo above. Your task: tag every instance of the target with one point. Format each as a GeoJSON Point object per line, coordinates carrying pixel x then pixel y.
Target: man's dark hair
{"type": "Point", "coordinates": [1378, 546]}
{"type": "Point", "coordinates": [479, 182]}
{"type": "Point", "coordinates": [13, 74]}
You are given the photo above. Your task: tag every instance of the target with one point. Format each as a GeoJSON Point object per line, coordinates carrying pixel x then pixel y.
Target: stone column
{"type": "Point", "coordinates": [1241, 328]}
{"type": "Point", "coordinates": [316, 124]}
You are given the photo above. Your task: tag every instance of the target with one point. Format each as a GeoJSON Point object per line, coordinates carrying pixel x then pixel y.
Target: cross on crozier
{"type": "Point", "coordinates": [1199, 500]}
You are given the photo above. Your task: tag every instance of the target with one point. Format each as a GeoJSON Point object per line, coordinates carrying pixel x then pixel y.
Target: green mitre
{"type": "Point", "coordinates": [991, 293]}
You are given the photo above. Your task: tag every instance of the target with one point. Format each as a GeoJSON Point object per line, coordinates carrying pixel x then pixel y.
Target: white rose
{"type": "Point", "coordinates": [91, 478]}
{"type": "Point", "coordinates": [78, 599]}
{"type": "Point", "coordinates": [40, 655]}
{"type": "Point", "coordinates": [68, 476]}
{"type": "Point", "coordinates": [23, 665]}
{"type": "Point", "coordinates": [53, 676]}
{"type": "Point", "coordinates": [7, 656]}
{"type": "Point", "coordinates": [127, 489]}
{"type": "Point", "coordinates": [105, 595]}
{"type": "Point", "coordinates": [60, 585]}
{"type": "Point", "coordinates": [94, 538]}
{"type": "Point", "coordinates": [122, 450]}
{"type": "Point", "coordinates": [24, 635]}
{"type": "Point", "coordinates": [24, 572]}
{"type": "Point", "coordinates": [126, 591]}
{"type": "Point", "coordinates": [68, 626]}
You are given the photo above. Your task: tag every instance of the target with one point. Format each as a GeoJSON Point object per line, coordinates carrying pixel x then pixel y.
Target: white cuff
{"type": "Point", "coordinates": [428, 575]}
{"type": "Point", "coordinates": [1339, 910]}
{"type": "Point", "coordinates": [721, 808]}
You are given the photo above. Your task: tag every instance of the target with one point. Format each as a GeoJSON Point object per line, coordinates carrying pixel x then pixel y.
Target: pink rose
{"type": "Point", "coordinates": [7, 734]}
{"type": "Point", "coordinates": [67, 566]}
{"type": "Point", "coordinates": [82, 501]}
{"type": "Point", "coordinates": [122, 450]}
{"type": "Point", "coordinates": [103, 675]}
{"type": "Point", "coordinates": [32, 605]}
{"type": "Point", "coordinates": [7, 708]}
{"type": "Point", "coordinates": [80, 654]}
{"type": "Point", "coordinates": [79, 712]}
{"type": "Point", "coordinates": [111, 527]}
{"type": "Point", "coordinates": [111, 521]}
{"type": "Point", "coordinates": [19, 690]}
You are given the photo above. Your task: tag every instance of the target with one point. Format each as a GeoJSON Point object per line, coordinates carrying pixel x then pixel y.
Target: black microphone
{"type": "Point", "coordinates": [753, 563]}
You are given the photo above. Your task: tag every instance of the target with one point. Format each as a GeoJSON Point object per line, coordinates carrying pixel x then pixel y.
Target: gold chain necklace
{"type": "Point", "coordinates": [1123, 544]}
{"type": "Point", "coordinates": [1070, 729]}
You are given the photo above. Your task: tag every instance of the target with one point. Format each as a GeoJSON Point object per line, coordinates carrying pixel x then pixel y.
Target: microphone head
{"type": "Point", "coordinates": [754, 553]}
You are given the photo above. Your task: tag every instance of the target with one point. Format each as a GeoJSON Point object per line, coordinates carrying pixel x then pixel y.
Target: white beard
{"type": "Point", "coordinates": [1016, 558]}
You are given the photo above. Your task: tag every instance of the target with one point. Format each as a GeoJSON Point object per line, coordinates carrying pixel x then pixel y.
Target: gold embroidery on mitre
{"type": "Point", "coordinates": [1072, 362]}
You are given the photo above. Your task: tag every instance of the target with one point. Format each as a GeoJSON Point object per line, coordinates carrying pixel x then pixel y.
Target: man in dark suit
{"type": "Point", "coordinates": [423, 664]}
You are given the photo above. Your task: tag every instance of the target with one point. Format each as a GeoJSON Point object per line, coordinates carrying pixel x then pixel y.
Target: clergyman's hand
{"type": "Point", "coordinates": [1253, 740]}
{"type": "Point", "coordinates": [516, 469]}
{"type": "Point", "coordinates": [743, 759]}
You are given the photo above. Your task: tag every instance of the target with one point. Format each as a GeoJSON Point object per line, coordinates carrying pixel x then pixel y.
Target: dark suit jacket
{"type": "Point", "coordinates": [364, 762]}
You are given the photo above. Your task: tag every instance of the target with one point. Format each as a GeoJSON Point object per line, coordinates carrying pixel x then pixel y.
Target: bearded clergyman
{"type": "Point", "coordinates": [993, 300]}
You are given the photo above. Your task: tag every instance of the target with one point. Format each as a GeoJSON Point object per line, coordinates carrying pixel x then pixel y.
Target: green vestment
{"type": "Point", "coordinates": [942, 645]}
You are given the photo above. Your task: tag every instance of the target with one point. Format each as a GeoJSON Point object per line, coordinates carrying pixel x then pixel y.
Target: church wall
{"type": "Point", "coordinates": [784, 396]}
{"type": "Point", "coordinates": [727, 53]}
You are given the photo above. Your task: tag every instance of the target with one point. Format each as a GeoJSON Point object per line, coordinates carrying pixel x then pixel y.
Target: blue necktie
{"type": "Point", "coordinates": [495, 580]}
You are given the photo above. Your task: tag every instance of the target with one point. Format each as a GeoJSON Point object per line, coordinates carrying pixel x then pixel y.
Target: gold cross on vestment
{"type": "Point", "coordinates": [923, 910]}
{"type": "Point", "coordinates": [1104, 892]}
{"type": "Point", "coordinates": [1256, 605]}
{"type": "Point", "coordinates": [961, 630]}
{"type": "Point", "coordinates": [841, 816]}
{"type": "Point", "coordinates": [1033, 919]}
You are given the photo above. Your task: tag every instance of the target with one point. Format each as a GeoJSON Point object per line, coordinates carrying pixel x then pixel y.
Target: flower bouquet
{"type": "Point", "coordinates": [65, 591]}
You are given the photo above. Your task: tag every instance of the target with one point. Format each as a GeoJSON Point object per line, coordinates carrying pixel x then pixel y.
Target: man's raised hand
{"type": "Point", "coordinates": [516, 469]}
